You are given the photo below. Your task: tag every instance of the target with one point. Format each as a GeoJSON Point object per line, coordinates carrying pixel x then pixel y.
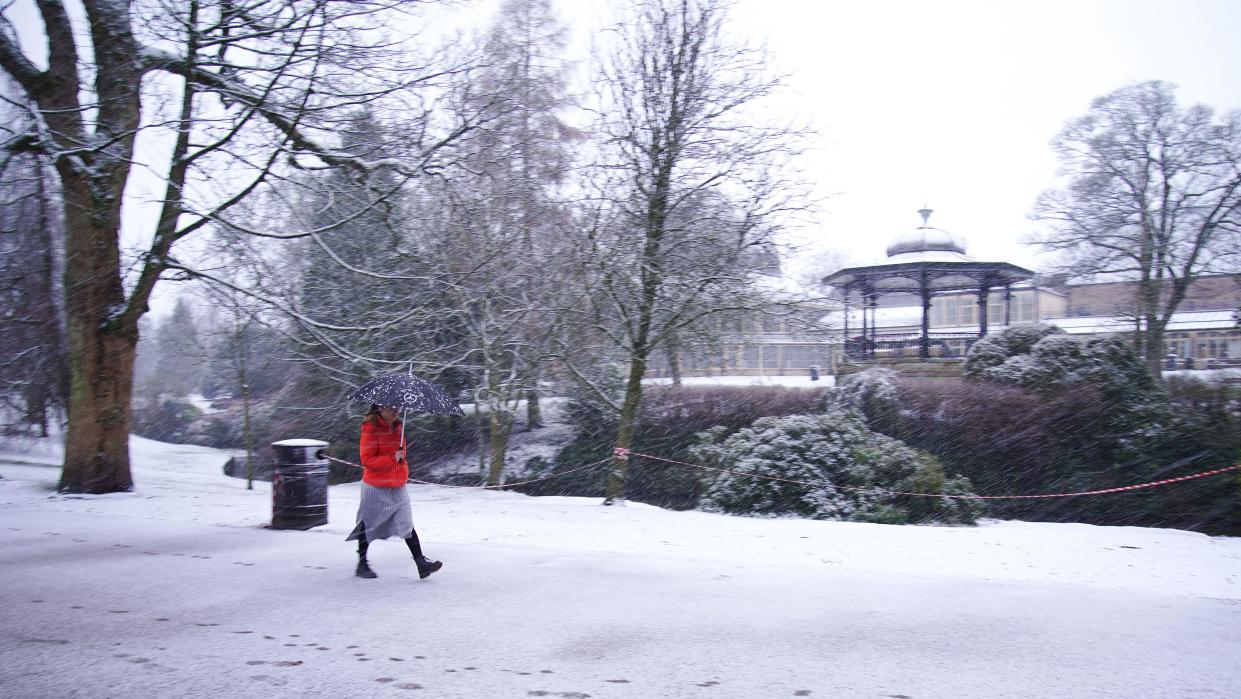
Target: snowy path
{"type": "Point", "coordinates": [177, 590]}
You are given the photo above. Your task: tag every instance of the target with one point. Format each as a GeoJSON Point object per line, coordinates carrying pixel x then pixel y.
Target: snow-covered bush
{"type": "Point", "coordinates": [666, 426]}
{"type": "Point", "coordinates": [872, 393]}
{"type": "Point", "coordinates": [825, 466]}
{"type": "Point", "coordinates": [1058, 362]}
{"type": "Point", "coordinates": [167, 421]}
{"type": "Point", "coordinates": [994, 350]}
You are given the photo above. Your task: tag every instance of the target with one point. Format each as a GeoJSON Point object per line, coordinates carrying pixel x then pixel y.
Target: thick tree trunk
{"type": "Point", "coordinates": [615, 487]}
{"type": "Point", "coordinates": [501, 424]}
{"type": "Point", "coordinates": [1153, 349]}
{"type": "Point", "coordinates": [482, 437]}
{"type": "Point", "coordinates": [102, 345]}
{"type": "Point", "coordinates": [97, 443]}
{"type": "Point", "coordinates": [674, 359]}
{"type": "Point", "coordinates": [534, 413]}
{"type": "Point", "coordinates": [101, 326]}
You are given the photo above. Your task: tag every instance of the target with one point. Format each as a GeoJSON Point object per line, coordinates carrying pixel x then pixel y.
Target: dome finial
{"type": "Point", "coordinates": [926, 214]}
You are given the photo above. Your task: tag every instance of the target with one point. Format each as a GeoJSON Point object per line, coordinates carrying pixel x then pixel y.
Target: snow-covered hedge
{"type": "Point", "coordinates": [1056, 362]}
{"type": "Point", "coordinates": [830, 466]}
{"type": "Point", "coordinates": [993, 351]}
{"type": "Point", "coordinates": [1042, 358]}
{"type": "Point", "coordinates": [872, 393]}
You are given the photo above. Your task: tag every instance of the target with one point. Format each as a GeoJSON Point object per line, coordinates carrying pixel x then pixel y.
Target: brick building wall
{"type": "Point", "coordinates": [1214, 293]}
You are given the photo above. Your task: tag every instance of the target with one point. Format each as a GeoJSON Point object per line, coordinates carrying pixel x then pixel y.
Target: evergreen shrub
{"type": "Point", "coordinates": [1042, 412]}
{"type": "Point", "coordinates": [167, 421]}
{"type": "Point", "coordinates": [667, 425]}
{"type": "Point", "coordinates": [827, 466]}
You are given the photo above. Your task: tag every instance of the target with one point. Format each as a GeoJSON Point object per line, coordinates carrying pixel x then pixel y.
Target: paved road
{"type": "Point", "coordinates": [98, 605]}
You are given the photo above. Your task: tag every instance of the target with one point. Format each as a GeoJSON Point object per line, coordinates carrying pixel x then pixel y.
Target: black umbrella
{"type": "Point", "coordinates": [407, 392]}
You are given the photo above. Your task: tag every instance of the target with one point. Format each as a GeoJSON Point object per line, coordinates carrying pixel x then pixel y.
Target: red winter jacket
{"type": "Point", "coordinates": [377, 451]}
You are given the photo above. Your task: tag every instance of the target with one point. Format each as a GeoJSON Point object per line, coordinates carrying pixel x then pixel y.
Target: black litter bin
{"type": "Point", "coordinates": [299, 484]}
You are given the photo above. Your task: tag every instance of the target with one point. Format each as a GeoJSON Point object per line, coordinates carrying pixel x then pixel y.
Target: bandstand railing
{"type": "Point", "coordinates": [909, 345]}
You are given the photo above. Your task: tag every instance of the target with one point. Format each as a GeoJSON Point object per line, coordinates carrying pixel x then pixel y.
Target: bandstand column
{"type": "Point", "coordinates": [924, 288]}
{"type": "Point", "coordinates": [871, 346]}
{"type": "Point", "coordinates": [844, 347]}
{"type": "Point", "coordinates": [983, 292]}
{"type": "Point", "coordinates": [865, 325]}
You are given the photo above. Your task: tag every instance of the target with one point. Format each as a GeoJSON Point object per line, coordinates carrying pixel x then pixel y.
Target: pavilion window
{"type": "Point", "coordinates": [1021, 308]}
{"type": "Point", "coordinates": [802, 356]}
{"type": "Point", "coordinates": [955, 310]}
{"type": "Point", "coordinates": [771, 357]}
{"type": "Point", "coordinates": [750, 357]}
{"type": "Point", "coordinates": [1178, 346]}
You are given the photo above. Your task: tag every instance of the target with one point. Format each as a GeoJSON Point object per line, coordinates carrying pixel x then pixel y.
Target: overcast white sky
{"type": "Point", "coordinates": [952, 103]}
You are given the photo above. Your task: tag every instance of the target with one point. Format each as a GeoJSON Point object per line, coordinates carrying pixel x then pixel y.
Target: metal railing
{"type": "Point", "coordinates": [909, 345]}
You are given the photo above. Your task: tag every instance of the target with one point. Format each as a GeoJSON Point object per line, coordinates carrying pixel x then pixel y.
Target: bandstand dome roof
{"type": "Point", "coordinates": [929, 258]}
{"type": "Point", "coordinates": [926, 244]}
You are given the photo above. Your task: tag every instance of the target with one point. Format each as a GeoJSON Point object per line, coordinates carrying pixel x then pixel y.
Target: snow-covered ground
{"type": "Point", "coordinates": [799, 381]}
{"type": "Point", "coordinates": [180, 589]}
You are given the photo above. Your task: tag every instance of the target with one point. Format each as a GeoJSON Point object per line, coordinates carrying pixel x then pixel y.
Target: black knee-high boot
{"type": "Point", "coordinates": [364, 568]}
{"type": "Point", "coordinates": [425, 567]}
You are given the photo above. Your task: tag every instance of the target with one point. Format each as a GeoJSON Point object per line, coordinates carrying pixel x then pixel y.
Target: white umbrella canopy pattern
{"type": "Point", "coordinates": [407, 392]}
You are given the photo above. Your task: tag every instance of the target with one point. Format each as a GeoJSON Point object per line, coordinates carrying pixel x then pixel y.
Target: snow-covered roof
{"type": "Point", "coordinates": [927, 244]}
{"type": "Point", "coordinates": [1181, 321]}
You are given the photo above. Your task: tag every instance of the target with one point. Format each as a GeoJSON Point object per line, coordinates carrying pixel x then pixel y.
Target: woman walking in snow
{"type": "Point", "coordinates": [384, 511]}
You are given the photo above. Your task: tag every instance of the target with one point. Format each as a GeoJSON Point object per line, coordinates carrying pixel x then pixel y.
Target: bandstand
{"type": "Point", "coordinates": [925, 262]}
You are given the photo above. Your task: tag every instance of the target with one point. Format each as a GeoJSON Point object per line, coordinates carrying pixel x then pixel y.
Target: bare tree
{"type": "Point", "coordinates": [239, 92]}
{"type": "Point", "coordinates": [34, 375]}
{"type": "Point", "coordinates": [244, 351]}
{"type": "Point", "coordinates": [468, 286]}
{"type": "Point", "coordinates": [697, 184]}
{"type": "Point", "coordinates": [1153, 194]}
{"type": "Point", "coordinates": [517, 228]}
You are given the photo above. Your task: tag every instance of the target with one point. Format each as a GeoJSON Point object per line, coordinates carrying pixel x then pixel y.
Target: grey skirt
{"type": "Point", "coordinates": [384, 512]}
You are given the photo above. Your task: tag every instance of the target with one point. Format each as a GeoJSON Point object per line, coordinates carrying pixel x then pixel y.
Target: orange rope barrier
{"type": "Point", "coordinates": [481, 487]}
{"type": "Point", "coordinates": [625, 453]}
